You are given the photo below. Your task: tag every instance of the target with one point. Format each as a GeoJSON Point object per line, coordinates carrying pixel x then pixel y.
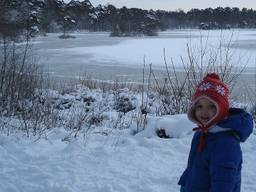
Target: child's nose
{"type": "Point", "coordinates": [205, 112]}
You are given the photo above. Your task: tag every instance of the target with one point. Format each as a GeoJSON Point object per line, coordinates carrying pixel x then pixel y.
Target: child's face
{"type": "Point", "coordinates": [205, 110]}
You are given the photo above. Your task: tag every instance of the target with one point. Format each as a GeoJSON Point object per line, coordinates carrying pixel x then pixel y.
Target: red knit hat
{"type": "Point", "coordinates": [212, 88]}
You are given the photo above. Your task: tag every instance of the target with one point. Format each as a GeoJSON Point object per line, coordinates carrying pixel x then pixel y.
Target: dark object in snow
{"type": "Point", "coordinates": [95, 119]}
{"type": "Point", "coordinates": [123, 104]}
{"type": "Point", "coordinates": [162, 134]}
{"type": "Point", "coordinates": [64, 104]}
{"type": "Point", "coordinates": [144, 110]}
{"type": "Point", "coordinates": [89, 100]}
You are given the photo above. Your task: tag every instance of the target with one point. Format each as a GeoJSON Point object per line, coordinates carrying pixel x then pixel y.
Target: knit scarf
{"type": "Point", "coordinates": [203, 130]}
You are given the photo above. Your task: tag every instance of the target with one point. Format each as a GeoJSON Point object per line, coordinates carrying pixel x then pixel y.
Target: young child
{"type": "Point", "coordinates": [215, 158]}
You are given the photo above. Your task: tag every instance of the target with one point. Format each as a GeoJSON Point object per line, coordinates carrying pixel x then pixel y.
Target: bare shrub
{"type": "Point", "coordinates": [19, 75]}
{"type": "Point", "coordinates": [124, 104]}
{"type": "Point", "coordinates": [81, 121]}
{"type": "Point", "coordinates": [33, 117]}
{"type": "Point", "coordinates": [38, 114]}
{"type": "Point", "coordinates": [21, 78]}
{"type": "Point", "coordinates": [248, 97]}
{"type": "Point", "coordinates": [177, 88]}
{"type": "Point", "coordinates": [221, 59]}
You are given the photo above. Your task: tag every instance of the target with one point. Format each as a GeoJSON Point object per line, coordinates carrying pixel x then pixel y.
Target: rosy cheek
{"type": "Point", "coordinates": [197, 113]}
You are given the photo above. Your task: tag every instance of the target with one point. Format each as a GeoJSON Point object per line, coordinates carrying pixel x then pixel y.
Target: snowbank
{"type": "Point", "coordinates": [114, 163]}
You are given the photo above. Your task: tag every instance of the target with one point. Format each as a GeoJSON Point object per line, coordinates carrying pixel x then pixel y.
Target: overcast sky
{"type": "Point", "coordinates": [173, 5]}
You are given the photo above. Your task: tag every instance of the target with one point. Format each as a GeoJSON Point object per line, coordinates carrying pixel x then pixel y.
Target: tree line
{"type": "Point", "coordinates": [32, 16]}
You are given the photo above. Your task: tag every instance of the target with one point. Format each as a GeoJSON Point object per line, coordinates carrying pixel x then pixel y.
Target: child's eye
{"type": "Point", "coordinates": [212, 107]}
{"type": "Point", "coordinates": [199, 106]}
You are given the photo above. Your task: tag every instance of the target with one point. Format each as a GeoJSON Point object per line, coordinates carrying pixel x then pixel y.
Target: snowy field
{"type": "Point", "coordinates": [104, 159]}
{"type": "Point", "coordinates": [121, 162]}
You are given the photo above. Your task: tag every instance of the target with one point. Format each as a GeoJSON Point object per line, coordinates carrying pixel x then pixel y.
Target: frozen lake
{"type": "Point", "coordinates": [110, 58]}
{"type": "Point", "coordinates": [92, 52]}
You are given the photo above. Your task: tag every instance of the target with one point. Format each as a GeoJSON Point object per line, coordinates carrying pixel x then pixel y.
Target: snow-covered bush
{"type": "Point", "coordinates": [123, 104]}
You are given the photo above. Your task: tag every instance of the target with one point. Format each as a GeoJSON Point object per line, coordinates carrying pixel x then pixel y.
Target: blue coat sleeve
{"type": "Point", "coordinates": [183, 178]}
{"type": "Point", "coordinates": [225, 166]}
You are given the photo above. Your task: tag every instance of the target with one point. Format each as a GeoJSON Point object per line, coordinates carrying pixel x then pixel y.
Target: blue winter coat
{"type": "Point", "coordinates": [218, 167]}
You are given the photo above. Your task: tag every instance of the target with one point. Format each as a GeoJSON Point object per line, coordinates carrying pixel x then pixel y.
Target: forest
{"type": "Point", "coordinates": [44, 16]}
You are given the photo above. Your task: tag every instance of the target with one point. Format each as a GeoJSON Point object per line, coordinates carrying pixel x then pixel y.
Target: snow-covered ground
{"type": "Point", "coordinates": [120, 162]}
{"type": "Point", "coordinates": [104, 159]}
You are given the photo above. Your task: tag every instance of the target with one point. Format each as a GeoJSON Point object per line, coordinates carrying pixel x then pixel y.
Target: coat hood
{"type": "Point", "coordinates": [240, 122]}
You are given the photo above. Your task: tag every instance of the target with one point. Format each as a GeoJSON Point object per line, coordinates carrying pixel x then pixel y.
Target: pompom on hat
{"type": "Point", "coordinates": [212, 88]}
